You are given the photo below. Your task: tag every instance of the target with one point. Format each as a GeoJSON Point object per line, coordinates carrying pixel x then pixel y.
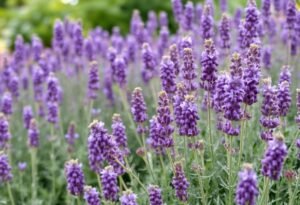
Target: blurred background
{"type": "Point", "coordinates": [28, 17]}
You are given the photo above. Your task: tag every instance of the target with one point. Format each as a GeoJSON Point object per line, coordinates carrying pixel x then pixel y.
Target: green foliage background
{"type": "Point", "coordinates": [29, 17]}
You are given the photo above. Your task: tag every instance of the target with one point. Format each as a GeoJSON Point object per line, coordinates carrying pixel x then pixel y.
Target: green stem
{"type": "Point", "coordinates": [52, 156]}
{"type": "Point", "coordinates": [203, 197]}
{"type": "Point", "coordinates": [290, 193]}
{"type": "Point", "coordinates": [122, 183]}
{"type": "Point", "coordinates": [163, 176]}
{"type": "Point", "coordinates": [11, 198]}
{"type": "Point", "coordinates": [129, 171]}
{"type": "Point", "coordinates": [265, 194]}
{"type": "Point", "coordinates": [21, 185]}
{"type": "Point", "coordinates": [99, 183]}
{"type": "Point", "coordinates": [34, 175]}
{"type": "Point", "coordinates": [209, 127]}
{"type": "Point", "coordinates": [229, 166]}
{"type": "Point", "coordinates": [242, 139]}
{"type": "Point", "coordinates": [294, 192]}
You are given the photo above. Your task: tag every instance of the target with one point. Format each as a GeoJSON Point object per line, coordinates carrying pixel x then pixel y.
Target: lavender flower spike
{"type": "Point", "coordinates": [7, 103]}
{"type": "Point", "coordinates": [174, 58]}
{"type": "Point", "coordinates": [71, 136]}
{"type": "Point", "coordinates": [251, 23]}
{"type": "Point", "coordinates": [109, 183]}
{"type": "Point", "coordinates": [27, 116]}
{"type": "Point", "coordinates": [297, 118]}
{"type": "Point", "coordinates": [247, 188]}
{"type": "Point", "coordinates": [33, 134]}
{"type": "Point", "coordinates": [284, 98]}
{"type": "Point", "coordinates": [207, 22]}
{"type": "Point", "coordinates": [4, 131]}
{"type": "Point", "coordinates": [225, 32]}
{"type": "Point", "coordinates": [177, 9]}
{"type": "Point", "coordinates": [188, 17]}
{"type": "Point", "coordinates": [93, 84]}
{"type": "Point", "coordinates": [188, 70]}
{"type": "Point", "coordinates": [180, 183]}
{"type": "Point", "coordinates": [119, 131]}
{"type": "Point", "coordinates": [5, 169]}
{"type": "Point", "coordinates": [189, 117]}
{"type": "Point", "coordinates": [138, 107]}
{"type": "Point", "coordinates": [75, 178]}
{"type": "Point", "coordinates": [167, 75]}
{"type": "Point", "coordinates": [155, 197]}
{"type": "Point", "coordinates": [128, 198]}
{"type": "Point", "coordinates": [274, 157]}
{"type": "Point", "coordinates": [209, 66]}
{"type": "Point", "coordinates": [91, 196]}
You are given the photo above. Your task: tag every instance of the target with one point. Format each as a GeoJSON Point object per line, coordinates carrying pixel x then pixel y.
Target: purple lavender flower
{"type": "Point", "coordinates": [138, 107]}
{"type": "Point", "coordinates": [128, 198]}
{"type": "Point", "coordinates": [88, 49]}
{"type": "Point", "coordinates": [298, 146]}
{"type": "Point", "coordinates": [91, 196]}
{"type": "Point", "coordinates": [252, 74]}
{"type": "Point", "coordinates": [33, 134]}
{"type": "Point", "coordinates": [149, 63]}
{"type": "Point", "coordinates": [174, 58]}
{"type": "Point", "coordinates": [93, 84]}
{"type": "Point", "coordinates": [209, 66]}
{"type": "Point", "coordinates": [152, 22]}
{"type": "Point", "coordinates": [38, 79]}
{"type": "Point", "coordinates": [163, 19]}
{"type": "Point", "coordinates": [277, 5]}
{"type": "Point", "coordinates": [98, 141]}
{"type": "Point", "coordinates": [266, 12]}
{"type": "Point", "coordinates": [228, 128]}
{"type": "Point", "coordinates": [19, 53]}
{"type": "Point", "coordinates": [236, 70]}
{"type": "Point", "coordinates": [207, 23]}
{"type": "Point", "coordinates": [189, 117]}
{"type": "Point", "coordinates": [22, 166]}
{"type": "Point", "coordinates": [6, 104]}
{"type": "Point", "coordinates": [266, 57]}
{"type": "Point", "coordinates": [241, 36]}
{"type": "Point", "coordinates": [225, 32]}
{"type": "Point", "coordinates": [274, 157]}
{"type": "Point", "coordinates": [75, 178]}
{"type": "Point", "coordinates": [119, 71]}
{"type": "Point", "coordinates": [247, 188]}
{"type": "Point", "coordinates": [160, 128]}
{"type": "Point", "coordinates": [237, 17]}
{"type": "Point", "coordinates": [291, 13]}
{"type": "Point", "coordinates": [52, 115]}
{"type": "Point", "coordinates": [270, 107]}
{"type": "Point", "coordinates": [37, 47]}
{"type": "Point", "coordinates": [180, 183]}
{"type": "Point", "coordinates": [154, 193]}
{"type": "Point", "coordinates": [4, 131]}
{"type": "Point", "coordinates": [251, 24]}
{"type": "Point", "coordinates": [58, 33]}
{"type": "Point", "coordinates": [78, 38]}
{"type": "Point", "coordinates": [27, 116]}
{"type": "Point", "coordinates": [188, 17]}
{"type": "Point", "coordinates": [109, 183]}
{"type": "Point", "coordinates": [177, 100]}
{"type": "Point", "coordinates": [198, 13]}
{"type": "Point", "coordinates": [188, 70]}
{"type": "Point", "coordinates": [219, 93]}
{"type": "Point", "coordinates": [284, 98]}
{"type": "Point", "coordinates": [233, 99]}
{"type": "Point", "coordinates": [131, 48]}
{"type": "Point", "coordinates": [223, 5]}
{"type": "Point", "coordinates": [71, 136]}
{"type": "Point", "coordinates": [119, 131]}
{"type": "Point", "coordinates": [14, 85]}
{"type": "Point", "coordinates": [285, 74]}
{"type": "Point", "coordinates": [53, 89]}
{"type": "Point", "coordinates": [167, 75]}
{"type": "Point", "coordinates": [177, 10]}
{"type": "Point", "coordinates": [163, 40]}
{"type": "Point", "coordinates": [5, 169]}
